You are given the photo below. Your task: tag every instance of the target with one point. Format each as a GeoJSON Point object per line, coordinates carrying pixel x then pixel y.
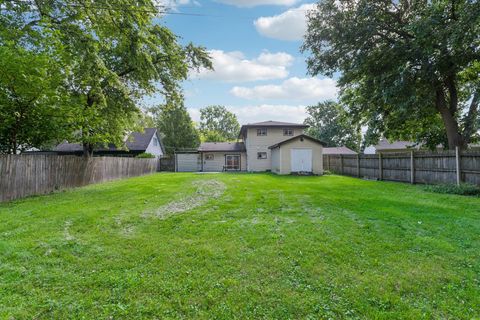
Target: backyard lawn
{"type": "Point", "coordinates": [251, 246]}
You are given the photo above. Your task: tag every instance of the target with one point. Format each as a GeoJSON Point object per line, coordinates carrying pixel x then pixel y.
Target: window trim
{"type": "Point", "coordinates": [259, 130]}
{"type": "Point", "coordinates": [260, 157]}
{"type": "Point", "coordinates": [290, 130]}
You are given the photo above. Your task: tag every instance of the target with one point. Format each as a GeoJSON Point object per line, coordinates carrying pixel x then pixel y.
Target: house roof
{"type": "Point", "coordinates": [338, 150]}
{"type": "Point", "coordinates": [271, 123]}
{"type": "Point", "coordinates": [384, 144]}
{"type": "Point", "coordinates": [222, 147]}
{"type": "Point", "coordinates": [137, 141]}
{"type": "Point", "coordinates": [304, 136]}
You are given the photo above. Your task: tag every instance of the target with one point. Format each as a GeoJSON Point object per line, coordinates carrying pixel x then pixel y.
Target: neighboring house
{"type": "Point", "coordinates": [384, 146]}
{"type": "Point", "coordinates": [147, 141]}
{"type": "Point", "coordinates": [280, 147]}
{"type": "Point", "coordinates": [338, 150]}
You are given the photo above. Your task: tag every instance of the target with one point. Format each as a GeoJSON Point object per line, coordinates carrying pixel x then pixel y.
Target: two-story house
{"type": "Point", "coordinates": [280, 147]}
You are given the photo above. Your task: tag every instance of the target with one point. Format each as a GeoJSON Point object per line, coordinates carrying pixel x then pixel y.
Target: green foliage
{"type": "Point", "coordinates": [218, 124]}
{"type": "Point", "coordinates": [145, 155]}
{"type": "Point", "coordinates": [115, 52]}
{"type": "Point", "coordinates": [212, 136]}
{"type": "Point", "coordinates": [33, 112]}
{"type": "Point", "coordinates": [269, 247]}
{"type": "Point", "coordinates": [408, 70]}
{"type": "Point", "coordinates": [463, 189]}
{"type": "Point", "coordinates": [145, 120]}
{"type": "Point", "coordinates": [330, 123]}
{"type": "Point", "coordinates": [176, 127]}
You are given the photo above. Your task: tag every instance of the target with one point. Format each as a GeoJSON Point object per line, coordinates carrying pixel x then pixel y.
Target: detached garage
{"type": "Point", "coordinates": [300, 154]}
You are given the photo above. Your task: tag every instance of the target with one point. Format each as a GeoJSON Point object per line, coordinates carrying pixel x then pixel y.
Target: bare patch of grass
{"type": "Point", "coordinates": [205, 191]}
{"type": "Point", "coordinates": [66, 231]}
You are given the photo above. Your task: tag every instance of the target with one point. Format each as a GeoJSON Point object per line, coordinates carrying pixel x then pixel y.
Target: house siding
{"type": "Point", "coordinates": [218, 161]}
{"type": "Point", "coordinates": [276, 160]}
{"type": "Point", "coordinates": [254, 144]}
{"type": "Point", "coordinates": [155, 150]}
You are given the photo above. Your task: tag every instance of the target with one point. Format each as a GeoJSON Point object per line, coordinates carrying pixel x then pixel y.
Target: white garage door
{"type": "Point", "coordinates": [301, 160]}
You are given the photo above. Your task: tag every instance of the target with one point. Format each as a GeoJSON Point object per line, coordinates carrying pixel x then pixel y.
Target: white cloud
{"type": "Point", "coordinates": [254, 3]}
{"type": "Point", "coordinates": [233, 66]}
{"type": "Point", "coordinates": [291, 89]}
{"type": "Point", "coordinates": [174, 4]}
{"type": "Point", "coordinates": [290, 25]}
{"type": "Point", "coordinates": [263, 112]}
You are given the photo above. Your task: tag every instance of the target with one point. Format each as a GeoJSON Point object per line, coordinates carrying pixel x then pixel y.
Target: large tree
{"type": "Point", "coordinates": [32, 114]}
{"type": "Point", "coordinates": [116, 52]}
{"type": "Point", "coordinates": [176, 127]}
{"type": "Point", "coordinates": [407, 68]}
{"type": "Point", "coordinates": [218, 124]}
{"type": "Point", "coordinates": [329, 123]}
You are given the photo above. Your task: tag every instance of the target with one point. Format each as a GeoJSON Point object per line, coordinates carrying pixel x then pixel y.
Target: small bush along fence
{"type": "Point", "coordinates": [463, 189]}
{"type": "Point", "coordinates": [145, 155]}
{"type": "Point", "coordinates": [25, 175]}
{"type": "Point", "coordinates": [447, 167]}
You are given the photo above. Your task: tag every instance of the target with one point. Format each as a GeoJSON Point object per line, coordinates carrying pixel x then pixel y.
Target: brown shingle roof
{"type": "Point", "coordinates": [384, 144]}
{"type": "Point", "coordinates": [338, 150]}
{"type": "Point", "coordinates": [271, 123]}
{"type": "Point", "coordinates": [304, 136]}
{"type": "Point", "coordinates": [222, 146]}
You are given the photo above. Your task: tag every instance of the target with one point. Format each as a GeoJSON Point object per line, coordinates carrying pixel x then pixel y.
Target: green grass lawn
{"type": "Point", "coordinates": [223, 246]}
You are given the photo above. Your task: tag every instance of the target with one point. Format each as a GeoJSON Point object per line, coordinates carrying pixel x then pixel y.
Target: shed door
{"type": "Point", "coordinates": [301, 160]}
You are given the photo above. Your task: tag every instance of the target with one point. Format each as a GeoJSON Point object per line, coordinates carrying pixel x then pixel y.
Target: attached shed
{"type": "Point", "coordinates": [300, 154]}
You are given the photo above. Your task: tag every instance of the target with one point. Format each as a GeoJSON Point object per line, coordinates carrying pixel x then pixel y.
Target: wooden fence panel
{"type": "Point", "coordinates": [167, 164]}
{"type": "Point", "coordinates": [25, 175]}
{"type": "Point", "coordinates": [413, 167]}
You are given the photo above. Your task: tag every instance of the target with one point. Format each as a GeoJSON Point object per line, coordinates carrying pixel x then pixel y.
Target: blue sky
{"type": "Point", "coordinates": [260, 73]}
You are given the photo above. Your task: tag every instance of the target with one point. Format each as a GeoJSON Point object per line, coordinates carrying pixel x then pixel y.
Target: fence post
{"type": "Point", "coordinates": [358, 165]}
{"type": "Point", "coordinates": [457, 164]}
{"type": "Point", "coordinates": [412, 168]}
{"type": "Point", "coordinates": [328, 162]}
{"type": "Point", "coordinates": [380, 167]}
{"type": "Point", "coordinates": [341, 164]}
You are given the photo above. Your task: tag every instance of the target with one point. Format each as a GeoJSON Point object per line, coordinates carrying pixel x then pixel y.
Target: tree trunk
{"type": "Point", "coordinates": [87, 150]}
{"type": "Point", "coordinates": [88, 147]}
{"type": "Point", "coordinates": [454, 136]}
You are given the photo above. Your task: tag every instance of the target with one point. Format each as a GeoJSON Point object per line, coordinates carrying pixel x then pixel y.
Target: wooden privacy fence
{"type": "Point", "coordinates": [25, 175]}
{"type": "Point", "coordinates": [414, 167]}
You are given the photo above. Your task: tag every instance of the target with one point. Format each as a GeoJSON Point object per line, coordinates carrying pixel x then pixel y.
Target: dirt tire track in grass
{"type": "Point", "coordinates": [205, 191]}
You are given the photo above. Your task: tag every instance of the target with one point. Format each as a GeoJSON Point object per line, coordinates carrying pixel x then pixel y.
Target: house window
{"type": "Point", "coordinates": [262, 132]}
{"type": "Point", "coordinates": [209, 156]}
{"type": "Point", "coordinates": [155, 142]}
{"type": "Point", "coordinates": [261, 155]}
{"type": "Point", "coordinates": [288, 132]}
